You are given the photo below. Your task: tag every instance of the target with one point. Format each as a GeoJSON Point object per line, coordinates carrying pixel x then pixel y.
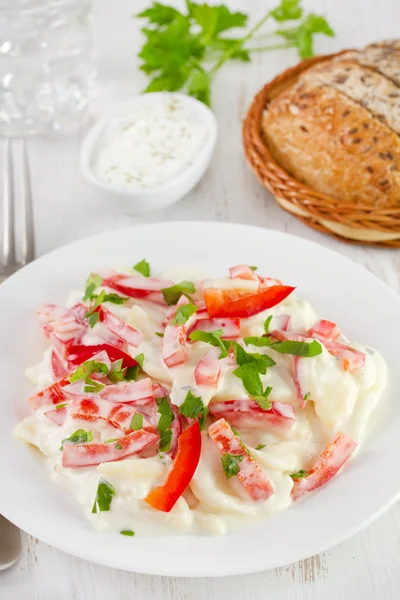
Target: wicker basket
{"type": "Point", "coordinates": [359, 224]}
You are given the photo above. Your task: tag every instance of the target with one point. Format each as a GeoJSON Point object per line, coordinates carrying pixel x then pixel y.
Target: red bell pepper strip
{"type": "Point", "coordinates": [241, 303]}
{"type": "Point", "coordinates": [324, 329]}
{"type": "Point", "coordinates": [85, 455]}
{"type": "Point", "coordinates": [250, 474]}
{"type": "Point", "coordinates": [247, 413]}
{"type": "Point", "coordinates": [79, 353]}
{"type": "Point", "coordinates": [185, 464]}
{"type": "Point", "coordinates": [331, 460]}
{"type": "Point", "coordinates": [208, 369]}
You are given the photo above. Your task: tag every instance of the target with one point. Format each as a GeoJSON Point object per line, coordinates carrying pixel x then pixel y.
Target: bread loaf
{"type": "Point", "coordinates": [337, 129]}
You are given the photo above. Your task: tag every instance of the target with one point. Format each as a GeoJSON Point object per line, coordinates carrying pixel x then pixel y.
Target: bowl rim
{"type": "Point", "coordinates": [90, 145]}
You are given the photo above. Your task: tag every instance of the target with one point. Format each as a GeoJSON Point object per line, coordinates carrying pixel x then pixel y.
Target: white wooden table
{"type": "Point", "coordinates": [67, 208]}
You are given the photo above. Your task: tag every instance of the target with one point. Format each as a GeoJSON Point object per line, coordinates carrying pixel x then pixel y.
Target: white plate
{"type": "Point", "coordinates": [366, 310]}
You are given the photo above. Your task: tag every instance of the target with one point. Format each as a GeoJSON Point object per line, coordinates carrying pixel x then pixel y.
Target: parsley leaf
{"type": "Point", "coordinates": [213, 338]}
{"type": "Point", "coordinates": [173, 293]}
{"type": "Point", "coordinates": [79, 437]}
{"type": "Point", "coordinates": [164, 424]}
{"type": "Point", "coordinates": [230, 464]}
{"type": "Point", "coordinates": [193, 407]}
{"type": "Point", "coordinates": [117, 372]}
{"type": "Point", "coordinates": [131, 373]}
{"type": "Point", "coordinates": [93, 314]}
{"type": "Point", "coordinates": [60, 406]}
{"type": "Point", "coordinates": [143, 266]}
{"type": "Point", "coordinates": [127, 532]}
{"type": "Point", "coordinates": [104, 496]}
{"type": "Point", "coordinates": [304, 349]}
{"type": "Point", "coordinates": [84, 371]}
{"type": "Point", "coordinates": [262, 361]}
{"type": "Point", "coordinates": [306, 397]}
{"type": "Point", "coordinates": [92, 282]}
{"type": "Point", "coordinates": [183, 313]}
{"type": "Point", "coordinates": [288, 10]}
{"type": "Point", "coordinates": [300, 474]}
{"type": "Point", "coordinates": [267, 324]}
{"type": "Point", "coordinates": [251, 380]}
{"type": "Point", "coordinates": [140, 359]}
{"type": "Point", "coordinates": [302, 37]}
{"type": "Point", "coordinates": [260, 446]}
{"type": "Point", "coordinates": [185, 50]}
{"type": "Point", "coordinates": [136, 422]}
{"type": "Point", "coordinates": [161, 335]}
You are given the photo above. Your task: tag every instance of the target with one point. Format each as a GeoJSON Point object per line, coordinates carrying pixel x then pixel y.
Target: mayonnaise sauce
{"type": "Point", "coordinates": [339, 401]}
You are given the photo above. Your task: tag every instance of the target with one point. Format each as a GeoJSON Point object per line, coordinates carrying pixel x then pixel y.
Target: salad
{"type": "Point", "coordinates": [181, 404]}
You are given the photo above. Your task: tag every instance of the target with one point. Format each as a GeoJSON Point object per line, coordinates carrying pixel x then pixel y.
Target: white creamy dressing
{"type": "Point", "coordinates": [149, 145]}
{"type": "Point", "coordinates": [339, 401]}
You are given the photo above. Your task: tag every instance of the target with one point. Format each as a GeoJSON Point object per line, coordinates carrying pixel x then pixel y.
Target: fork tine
{"type": "Point", "coordinates": [27, 235]}
{"type": "Point", "coordinates": [8, 207]}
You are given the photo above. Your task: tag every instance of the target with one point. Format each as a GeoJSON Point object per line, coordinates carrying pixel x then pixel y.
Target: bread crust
{"type": "Point", "coordinates": [332, 144]}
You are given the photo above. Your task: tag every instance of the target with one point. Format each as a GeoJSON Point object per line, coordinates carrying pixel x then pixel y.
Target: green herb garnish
{"type": "Point", "coordinates": [143, 268]}
{"type": "Point", "coordinates": [104, 496]}
{"type": "Point", "coordinates": [300, 474]}
{"type": "Point", "coordinates": [79, 437]}
{"type": "Point", "coordinates": [267, 323]}
{"type": "Point", "coordinates": [127, 532]}
{"type": "Point", "coordinates": [118, 447]}
{"type": "Point", "coordinates": [164, 424]}
{"type": "Point", "coordinates": [304, 349]}
{"type": "Point", "coordinates": [306, 397]}
{"type": "Point", "coordinates": [262, 361]}
{"type": "Point", "coordinates": [131, 373]}
{"type": "Point", "coordinates": [193, 407]}
{"type": "Point", "coordinates": [253, 268]}
{"type": "Point", "coordinates": [183, 313]}
{"type": "Point", "coordinates": [92, 283]}
{"type": "Point", "coordinates": [173, 293]}
{"type": "Point", "coordinates": [60, 406]}
{"type": "Point", "coordinates": [93, 314]}
{"type": "Point", "coordinates": [230, 464]}
{"type": "Point", "coordinates": [136, 422]}
{"type": "Point", "coordinates": [84, 371]}
{"type": "Point", "coordinates": [161, 335]}
{"type": "Point", "coordinates": [251, 380]}
{"type": "Point", "coordinates": [260, 446]}
{"type": "Point", "coordinates": [140, 359]}
{"type": "Point", "coordinates": [212, 337]}
{"type": "Point", "coordinates": [186, 49]}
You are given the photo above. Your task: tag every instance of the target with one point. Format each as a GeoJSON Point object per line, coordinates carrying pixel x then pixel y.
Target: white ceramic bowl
{"type": "Point", "coordinates": [139, 201]}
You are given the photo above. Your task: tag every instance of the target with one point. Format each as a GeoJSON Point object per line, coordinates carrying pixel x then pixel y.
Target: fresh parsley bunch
{"type": "Point", "coordinates": [184, 51]}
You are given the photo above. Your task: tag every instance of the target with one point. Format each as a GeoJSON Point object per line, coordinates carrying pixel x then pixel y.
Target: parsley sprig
{"type": "Point", "coordinates": [185, 50]}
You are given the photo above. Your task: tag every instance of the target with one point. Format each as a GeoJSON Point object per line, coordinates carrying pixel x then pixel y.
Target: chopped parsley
{"type": "Point", "coordinates": [252, 383]}
{"type": "Point", "coordinates": [161, 335]}
{"type": "Point", "coordinates": [140, 359]}
{"type": "Point", "coordinates": [104, 496]}
{"type": "Point", "coordinates": [92, 283]}
{"type": "Point", "coordinates": [60, 406]}
{"type": "Point", "coordinates": [136, 422]}
{"type": "Point", "coordinates": [214, 338]}
{"type": "Point", "coordinates": [93, 314]}
{"type": "Point", "coordinates": [253, 268]}
{"type": "Point", "coordinates": [127, 532]}
{"type": "Point", "coordinates": [79, 437]}
{"type": "Point", "coordinates": [260, 446]}
{"type": "Point", "coordinates": [117, 373]}
{"type": "Point", "coordinates": [183, 313]}
{"type": "Point", "coordinates": [306, 397]}
{"type": "Point", "coordinates": [193, 407]}
{"type": "Point", "coordinates": [131, 373]}
{"type": "Point", "coordinates": [118, 447]}
{"type": "Point", "coordinates": [300, 474]}
{"type": "Point", "coordinates": [267, 324]}
{"type": "Point", "coordinates": [230, 464]}
{"type": "Point", "coordinates": [303, 349]}
{"type": "Point", "coordinates": [84, 371]}
{"type": "Point", "coordinates": [164, 423]}
{"type": "Point", "coordinates": [173, 293]}
{"type": "Point", "coordinates": [143, 268]}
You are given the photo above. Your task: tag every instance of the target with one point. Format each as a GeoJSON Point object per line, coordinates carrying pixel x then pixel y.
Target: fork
{"type": "Point", "coordinates": [10, 537]}
{"type": "Point", "coordinates": [10, 263]}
